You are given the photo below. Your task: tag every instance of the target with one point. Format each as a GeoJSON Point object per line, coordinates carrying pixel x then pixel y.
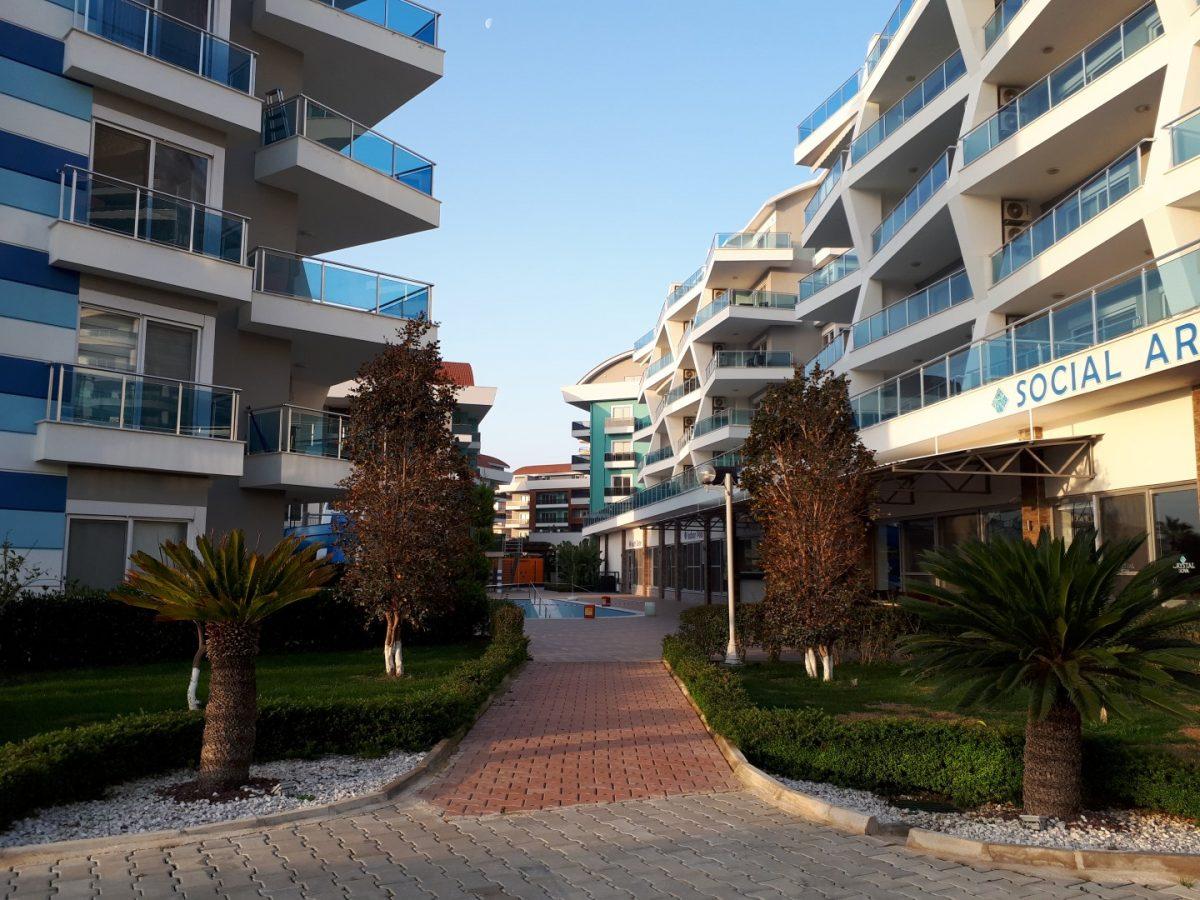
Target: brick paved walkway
{"type": "Point", "coordinates": [582, 733]}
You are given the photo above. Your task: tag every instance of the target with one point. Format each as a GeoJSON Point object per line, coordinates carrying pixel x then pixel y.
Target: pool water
{"type": "Point", "coordinates": [567, 609]}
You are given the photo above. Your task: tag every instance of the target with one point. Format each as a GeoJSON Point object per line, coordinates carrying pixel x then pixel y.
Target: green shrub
{"type": "Point", "coordinates": [966, 763]}
{"type": "Point", "coordinates": [79, 763]}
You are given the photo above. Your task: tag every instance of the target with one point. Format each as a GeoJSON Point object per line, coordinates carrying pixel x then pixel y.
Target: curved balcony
{"type": "Point", "coordinates": [683, 483]}
{"type": "Point", "coordinates": [883, 40]}
{"type": "Point", "coordinates": [912, 202]}
{"type": "Point", "coordinates": [1110, 50]}
{"type": "Point", "coordinates": [656, 456]}
{"type": "Point", "coordinates": [941, 295]}
{"type": "Point", "coordinates": [930, 87]}
{"type": "Point", "coordinates": [747, 361]}
{"type": "Point", "coordinates": [681, 290]}
{"type": "Point", "coordinates": [743, 306]}
{"type": "Point", "coordinates": [643, 344]}
{"type": "Point", "coordinates": [657, 369]}
{"type": "Point", "coordinates": [829, 354]}
{"type": "Point", "coordinates": [841, 96]}
{"type": "Point", "coordinates": [998, 21]}
{"type": "Point", "coordinates": [721, 431]}
{"type": "Point", "coordinates": [690, 386]}
{"type": "Point", "coordinates": [825, 188]}
{"type": "Point", "coordinates": [295, 449]}
{"type": "Point", "coordinates": [830, 273]}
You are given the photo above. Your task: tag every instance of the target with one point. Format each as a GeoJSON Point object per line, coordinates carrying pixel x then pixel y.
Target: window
{"type": "Point", "coordinates": [623, 482]}
{"type": "Point", "coordinates": [887, 556]}
{"type": "Point", "coordinates": [110, 339]}
{"type": "Point", "coordinates": [551, 498]}
{"type": "Point", "coordinates": [621, 412]}
{"type": "Point", "coordinates": [1073, 516]}
{"type": "Point", "coordinates": [1177, 524]}
{"type": "Point", "coordinates": [956, 529]}
{"type": "Point", "coordinates": [1124, 516]}
{"type": "Point", "coordinates": [622, 446]}
{"type": "Point", "coordinates": [150, 163]}
{"type": "Point", "coordinates": [919, 536]}
{"type": "Point", "coordinates": [1002, 523]}
{"type": "Point", "coordinates": [98, 550]}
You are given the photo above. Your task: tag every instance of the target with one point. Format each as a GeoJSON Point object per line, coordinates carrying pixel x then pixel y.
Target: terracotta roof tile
{"type": "Point", "coordinates": [460, 373]}
{"type": "Point", "coordinates": [545, 469]}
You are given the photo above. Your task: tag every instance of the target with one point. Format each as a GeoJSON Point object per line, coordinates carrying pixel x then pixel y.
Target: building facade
{"type": "Point", "coordinates": [545, 503]}
{"type": "Point", "coordinates": [1005, 241]}
{"type": "Point", "coordinates": [170, 174]}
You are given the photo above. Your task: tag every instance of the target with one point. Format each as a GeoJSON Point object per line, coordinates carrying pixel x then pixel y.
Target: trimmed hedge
{"type": "Point", "coordinates": [80, 763]}
{"type": "Point", "coordinates": [966, 763]}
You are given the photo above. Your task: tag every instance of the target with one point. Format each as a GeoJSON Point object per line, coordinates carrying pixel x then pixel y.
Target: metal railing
{"type": "Point", "coordinates": [401, 16]}
{"type": "Point", "coordinates": [748, 359]}
{"type": "Point", "coordinates": [722, 420]}
{"type": "Point", "coordinates": [999, 20]}
{"type": "Point", "coordinates": [746, 299]}
{"type": "Point", "coordinates": [643, 340]}
{"type": "Point", "coordinates": [296, 429]}
{"type": "Point", "coordinates": [929, 301]}
{"type": "Point", "coordinates": [100, 201]}
{"type": "Point", "coordinates": [933, 85]}
{"type": "Point", "coordinates": [658, 365]}
{"type": "Point", "coordinates": [885, 37]}
{"type": "Point", "coordinates": [846, 92]}
{"type": "Point", "coordinates": [690, 386]}
{"type": "Point", "coordinates": [620, 457]}
{"type": "Point", "coordinates": [830, 353]}
{"type": "Point", "coordinates": [912, 202]}
{"type": "Point", "coordinates": [84, 395]}
{"type": "Point", "coordinates": [1185, 137]}
{"type": "Point", "coordinates": [682, 483]}
{"type": "Point", "coordinates": [304, 117]}
{"type": "Point", "coordinates": [830, 273]}
{"type": "Point", "coordinates": [1116, 180]}
{"type": "Point", "coordinates": [580, 426]}
{"type": "Point", "coordinates": [658, 455]}
{"type": "Point", "coordinates": [825, 188]}
{"type": "Point", "coordinates": [641, 422]}
{"type": "Point", "coordinates": [751, 240]}
{"type": "Point", "coordinates": [1118, 306]}
{"type": "Point", "coordinates": [337, 284]}
{"type": "Point", "coordinates": [1067, 79]}
{"type": "Point", "coordinates": [692, 280]}
{"type": "Point", "coordinates": [152, 33]}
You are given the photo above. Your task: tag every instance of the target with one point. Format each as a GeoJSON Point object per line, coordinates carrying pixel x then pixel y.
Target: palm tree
{"type": "Point", "coordinates": [231, 591]}
{"type": "Point", "coordinates": [1063, 626]}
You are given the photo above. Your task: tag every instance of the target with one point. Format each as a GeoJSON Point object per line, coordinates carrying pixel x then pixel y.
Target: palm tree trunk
{"type": "Point", "coordinates": [1053, 763]}
{"type": "Point", "coordinates": [229, 716]}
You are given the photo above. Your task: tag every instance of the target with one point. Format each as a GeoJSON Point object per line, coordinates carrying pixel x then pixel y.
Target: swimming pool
{"type": "Point", "coordinates": [544, 608]}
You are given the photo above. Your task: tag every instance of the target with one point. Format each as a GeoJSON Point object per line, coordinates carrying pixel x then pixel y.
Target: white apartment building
{"type": "Point", "coordinates": [545, 503]}
{"type": "Point", "coordinates": [1007, 240]}
{"type": "Point", "coordinates": [170, 174]}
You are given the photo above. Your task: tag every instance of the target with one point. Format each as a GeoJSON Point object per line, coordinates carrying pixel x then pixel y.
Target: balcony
{"type": "Point", "coordinates": [1099, 193]}
{"type": "Point", "coordinates": [746, 256]}
{"type": "Point", "coordinates": [1185, 138]}
{"type": "Point", "coordinates": [643, 345]}
{"type": "Point", "coordinates": [657, 369]}
{"type": "Point", "coordinates": [941, 295]}
{"type": "Point", "coordinates": [733, 309]}
{"type": "Point", "coordinates": [683, 483]}
{"type": "Point", "coordinates": [657, 456]}
{"type": "Point", "coordinates": [618, 425]}
{"type": "Point", "coordinates": [580, 463]}
{"type": "Point", "coordinates": [912, 202]}
{"type": "Point", "coordinates": [722, 431]}
{"type": "Point", "coordinates": [581, 431]}
{"type": "Point", "coordinates": [829, 354]}
{"type": "Point", "coordinates": [1101, 56]}
{"type": "Point", "coordinates": [123, 420]}
{"type": "Point", "coordinates": [1107, 312]}
{"type": "Point", "coordinates": [828, 183]}
{"type": "Point", "coordinates": [689, 386]}
{"type": "Point", "coordinates": [617, 492]}
{"type": "Point", "coordinates": [881, 43]}
{"type": "Point", "coordinates": [390, 45]}
{"type": "Point", "coordinates": [682, 289]}
{"type": "Point", "coordinates": [296, 450]}
{"type": "Point", "coordinates": [932, 86]}
{"type": "Point", "coordinates": [810, 148]}
{"type": "Point", "coordinates": [135, 51]}
{"type": "Point", "coordinates": [835, 271]}
{"type": "Point", "coordinates": [354, 185]}
{"type": "Point", "coordinates": [620, 460]}
{"type": "Point", "coordinates": [120, 230]}
{"type": "Point", "coordinates": [998, 21]}
{"type": "Point", "coordinates": [744, 372]}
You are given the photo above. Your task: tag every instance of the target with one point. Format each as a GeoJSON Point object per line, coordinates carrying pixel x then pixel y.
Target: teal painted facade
{"type": "Point", "coordinates": [602, 443]}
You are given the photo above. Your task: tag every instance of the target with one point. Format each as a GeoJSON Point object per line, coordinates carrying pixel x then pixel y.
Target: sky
{"type": "Point", "coordinates": [586, 154]}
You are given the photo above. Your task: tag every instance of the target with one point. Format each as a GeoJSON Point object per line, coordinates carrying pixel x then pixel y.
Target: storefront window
{"type": "Point", "coordinates": [1123, 517]}
{"type": "Point", "coordinates": [1177, 524]}
{"type": "Point", "coordinates": [956, 529]}
{"type": "Point", "coordinates": [920, 536]}
{"type": "Point", "coordinates": [1002, 523]}
{"type": "Point", "coordinates": [1074, 516]}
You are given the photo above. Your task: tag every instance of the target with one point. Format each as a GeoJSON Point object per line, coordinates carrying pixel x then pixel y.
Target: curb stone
{"type": "Point", "coordinates": [432, 763]}
{"type": "Point", "coordinates": [1101, 865]}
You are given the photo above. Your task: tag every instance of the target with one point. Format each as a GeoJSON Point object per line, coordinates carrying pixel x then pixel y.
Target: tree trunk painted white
{"type": "Point", "coordinates": [397, 657]}
{"type": "Point", "coordinates": [826, 663]}
{"type": "Point", "coordinates": [192, 700]}
{"type": "Point", "coordinates": [810, 662]}
{"type": "Point", "coordinates": [389, 663]}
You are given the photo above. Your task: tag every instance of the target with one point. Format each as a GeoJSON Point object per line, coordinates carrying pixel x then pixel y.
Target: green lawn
{"type": "Point", "coordinates": [30, 704]}
{"type": "Point", "coordinates": [884, 689]}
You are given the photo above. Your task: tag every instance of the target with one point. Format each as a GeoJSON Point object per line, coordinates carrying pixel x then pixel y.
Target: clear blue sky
{"type": "Point", "coordinates": [586, 153]}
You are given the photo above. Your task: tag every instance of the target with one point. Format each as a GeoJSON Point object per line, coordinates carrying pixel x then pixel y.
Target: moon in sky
{"type": "Point", "coordinates": [487, 23]}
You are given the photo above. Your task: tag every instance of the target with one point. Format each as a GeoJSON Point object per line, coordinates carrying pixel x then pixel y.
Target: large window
{"type": "Point", "coordinates": [111, 339]}
{"type": "Point", "coordinates": [552, 498]}
{"type": "Point", "coordinates": [98, 549]}
{"type": "Point", "coordinates": [1177, 524]}
{"type": "Point", "coordinates": [1002, 523]}
{"type": "Point", "coordinates": [917, 537]}
{"type": "Point", "coordinates": [1124, 516]}
{"type": "Point", "coordinates": [150, 163]}
{"type": "Point", "coordinates": [1074, 516]}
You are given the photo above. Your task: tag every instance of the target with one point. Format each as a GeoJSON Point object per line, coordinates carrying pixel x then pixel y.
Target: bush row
{"type": "Point", "coordinates": [79, 763]}
{"type": "Point", "coordinates": [967, 763]}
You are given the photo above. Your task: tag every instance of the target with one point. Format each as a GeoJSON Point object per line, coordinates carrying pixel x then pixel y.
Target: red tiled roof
{"type": "Point", "coordinates": [491, 462]}
{"type": "Point", "coordinates": [546, 469]}
{"type": "Point", "coordinates": [460, 373]}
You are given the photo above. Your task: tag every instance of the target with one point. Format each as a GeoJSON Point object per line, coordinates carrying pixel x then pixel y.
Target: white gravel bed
{"type": "Point", "coordinates": [1109, 830]}
{"type": "Point", "coordinates": [136, 806]}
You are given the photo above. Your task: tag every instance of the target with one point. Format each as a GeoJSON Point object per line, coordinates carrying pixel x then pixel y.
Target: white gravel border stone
{"type": "Point", "coordinates": [136, 806]}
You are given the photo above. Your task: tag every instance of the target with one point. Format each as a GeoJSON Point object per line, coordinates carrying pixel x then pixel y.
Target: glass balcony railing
{"type": "Point", "coordinates": [682, 483]}
{"type": "Point", "coordinates": [1097, 194]}
{"type": "Point", "coordinates": [748, 359]}
{"type": "Point", "coordinates": [304, 117]}
{"type": "Point", "coordinates": [643, 340]}
{"type": "Point", "coordinates": [830, 273]}
{"type": "Point", "coordinates": [950, 291]}
{"type": "Point", "coordinates": [748, 299]}
{"type": "Point", "coordinates": [1185, 138]}
{"type": "Point", "coordinates": [933, 85]}
{"type": "Point", "coordinates": [82, 395]}
{"type": "Point", "coordinates": [1126, 303]}
{"type": "Point", "coordinates": [835, 101]}
{"type": "Point", "coordinates": [752, 240]}
{"type": "Point", "coordinates": [690, 386]}
{"type": "Point", "coordinates": [337, 284]}
{"type": "Point", "coordinates": [658, 365]}
{"type": "Point", "coordinates": [998, 21]}
{"type": "Point", "coordinates": [912, 202]}
{"type": "Point", "coordinates": [830, 181]}
{"type": "Point", "coordinates": [884, 40]}
{"type": "Point", "coordinates": [89, 198]}
{"type": "Point", "coordinates": [400, 16]}
{"type": "Point", "coordinates": [155, 34]}
{"type": "Point", "coordinates": [1108, 51]}
{"type": "Point", "coordinates": [295, 429]}
{"type": "Point", "coordinates": [722, 420]}
{"type": "Point", "coordinates": [580, 426]}
{"type": "Point", "coordinates": [829, 354]}
{"type": "Point", "coordinates": [692, 280]}
{"type": "Point", "coordinates": [658, 455]}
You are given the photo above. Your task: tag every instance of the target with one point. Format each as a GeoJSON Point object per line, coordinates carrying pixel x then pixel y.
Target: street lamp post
{"type": "Point", "coordinates": [709, 474]}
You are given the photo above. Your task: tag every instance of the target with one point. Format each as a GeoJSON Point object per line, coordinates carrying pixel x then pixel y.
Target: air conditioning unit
{"type": "Point", "coordinates": [1006, 94]}
{"type": "Point", "coordinates": [1015, 216]}
{"type": "Point", "coordinates": [718, 404]}
{"type": "Point", "coordinates": [688, 422]}
{"type": "Point", "coordinates": [689, 374]}
{"type": "Point", "coordinates": [717, 348]}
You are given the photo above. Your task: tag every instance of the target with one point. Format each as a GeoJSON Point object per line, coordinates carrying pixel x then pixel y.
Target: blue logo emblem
{"type": "Point", "coordinates": [1000, 401]}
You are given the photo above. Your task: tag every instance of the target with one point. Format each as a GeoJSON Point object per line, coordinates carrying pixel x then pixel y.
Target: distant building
{"type": "Point", "coordinates": [545, 503]}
